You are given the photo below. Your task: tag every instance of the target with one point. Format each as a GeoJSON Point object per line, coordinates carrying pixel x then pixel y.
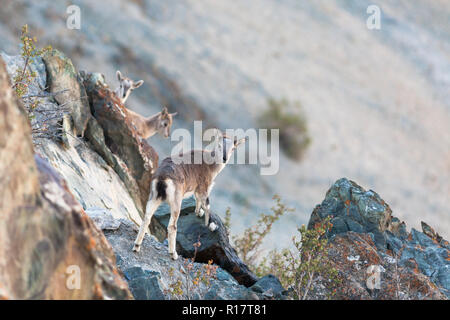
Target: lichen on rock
{"type": "Point", "coordinates": [44, 231]}
{"type": "Point", "coordinates": [415, 264]}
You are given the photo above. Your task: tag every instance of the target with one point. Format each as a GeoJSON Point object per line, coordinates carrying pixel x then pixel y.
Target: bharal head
{"type": "Point", "coordinates": [126, 85]}
{"type": "Point", "coordinates": [165, 120]}
{"type": "Point", "coordinates": [229, 144]}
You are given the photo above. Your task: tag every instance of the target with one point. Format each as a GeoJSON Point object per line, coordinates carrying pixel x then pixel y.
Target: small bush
{"type": "Point", "coordinates": [24, 76]}
{"type": "Point", "coordinates": [194, 277]}
{"type": "Point", "coordinates": [294, 137]}
{"type": "Point", "coordinates": [301, 267]}
{"type": "Point", "coordinates": [298, 268]}
{"type": "Point", "coordinates": [44, 119]}
{"type": "Point", "coordinates": [248, 245]}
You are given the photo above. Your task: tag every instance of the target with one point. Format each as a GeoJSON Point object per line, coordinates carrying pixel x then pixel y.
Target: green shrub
{"type": "Point", "coordinates": [298, 268]}
{"type": "Point", "coordinates": [24, 75]}
{"type": "Point", "coordinates": [248, 245]}
{"type": "Point", "coordinates": [307, 262]}
{"type": "Point", "coordinates": [293, 134]}
{"type": "Point", "coordinates": [195, 278]}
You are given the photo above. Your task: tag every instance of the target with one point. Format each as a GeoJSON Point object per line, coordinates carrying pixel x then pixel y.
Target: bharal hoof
{"type": "Point", "coordinates": [136, 248]}
{"type": "Point", "coordinates": [174, 255]}
{"type": "Point", "coordinates": [200, 213]}
{"type": "Point", "coordinates": [212, 226]}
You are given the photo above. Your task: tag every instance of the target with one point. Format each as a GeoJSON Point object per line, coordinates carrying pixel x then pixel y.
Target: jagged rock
{"type": "Point", "coordinates": [218, 292]}
{"type": "Point", "coordinates": [151, 272]}
{"type": "Point", "coordinates": [354, 209]}
{"type": "Point", "coordinates": [214, 245]}
{"type": "Point", "coordinates": [144, 284]}
{"type": "Point", "coordinates": [269, 286]}
{"type": "Point", "coordinates": [121, 137]}
{"type": "Point", "coordinates": [86, 167]}
{"type": "Point", "coordinates": [44, 231]}
{"type": "Point", "coordinates": [48, 115]}
{"type": "Point", "coordinates": [429, 231]}
{"type": "Point", "coordinates": [357, 259]}
{"type": "Point", "coordinates": [61, 75]}
{"type": "Point", "coordinates": [94, 133]}
{"type": "Point", "coordinates": [363, 226]}
{"type": "Point", "coordinates": [103, 218]}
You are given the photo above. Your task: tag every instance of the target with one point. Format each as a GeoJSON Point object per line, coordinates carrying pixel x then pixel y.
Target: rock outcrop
{"type": "Point", "coordinates": [62, 77]}
{"type": "Point", "coordinates": [121, 136]}
{"type": "Point", "coordinates": [47, 240]}
{"type": "Point", "coordinates": [366, 240]}
{"type": "Point", "coordinates": [93, 173]}
{"type": "Point", "coordinates": [270, 287]}
{"type": "Point", "coordinates": [114, 164]}
{"type": "Point", "coordinates": [151, 273]}
{"type": "Point", "coordinates": [215, 245]}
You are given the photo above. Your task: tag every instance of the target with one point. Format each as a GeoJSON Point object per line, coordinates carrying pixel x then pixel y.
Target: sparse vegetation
{"type": "Point", "coordinates": [195, 276]}
{"type": "Point", "coordinates": [34, 103]}
{"type": "Point", "coordinates": [248, 245]}
{"type": "Point", "coordinates": [298, 268]}
{"type": "Point", "coordinates": [305, 264]}
{"type": "Point", "coordinates": [289, 119]}
{"type": "Point", "coordinates": [25, 76]}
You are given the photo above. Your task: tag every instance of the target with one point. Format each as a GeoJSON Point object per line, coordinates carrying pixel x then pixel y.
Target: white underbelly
{"type": "Point", "coordinates": [188, 194]}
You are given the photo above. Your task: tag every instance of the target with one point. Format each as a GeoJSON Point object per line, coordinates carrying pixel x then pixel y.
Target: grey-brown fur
{"type": "Point", "coordinates": [146, 126]}
{"type": "Point", "coordinates": [174, 181]}
{"type": "Point", "coordinates": [159, 123]}
{"type": "Point", "coordinates": [126, 86]}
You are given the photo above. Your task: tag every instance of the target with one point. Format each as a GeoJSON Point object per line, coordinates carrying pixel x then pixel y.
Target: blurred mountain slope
{"type": "Point", "coordinates": [377, 102]}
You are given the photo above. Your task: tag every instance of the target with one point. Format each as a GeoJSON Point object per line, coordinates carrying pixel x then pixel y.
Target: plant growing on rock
{"type": "Point", "coordinates": [294, 137]}
{"type": "Point", "coordinates": [248, 245]}
{"type": "Point", "coordinates": [42, 126]}
{"type": "Point", "coordinates": [196, 277]}
{"type": "Point", "coordinates": [305, 264]}
{"type": "Point", "coordinates": [298, 268]}
{"type": "Point", "coordinates": [25, 76]}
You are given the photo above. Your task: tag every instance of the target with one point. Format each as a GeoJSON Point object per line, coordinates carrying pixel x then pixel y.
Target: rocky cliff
{"type": "Point", "coordinates": [367, 240]}
{"type": "Point", "coordinates": [376, 102]}
{"type": "Point", "coordinates": [96, 156]}
{"type": "Point", "coordinates": [45, 235]}
{"type": "Point", "coordinates": [76, 197]}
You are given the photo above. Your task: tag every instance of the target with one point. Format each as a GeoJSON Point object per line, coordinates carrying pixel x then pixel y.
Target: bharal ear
{"type": "Point", "coordinates": [174, 114]}
{"type": "Point", "coordinates": [119, 75]}
{"type": "Point", "coordinates": [239, 142]}
{"type": "Point", "coordinates": [138, 84]}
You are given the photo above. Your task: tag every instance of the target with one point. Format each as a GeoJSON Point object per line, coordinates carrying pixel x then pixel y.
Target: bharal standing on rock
{"type": "Point", "coordinates": [146, 126]}
{"type": "Point", "coordinates": [176, 180]}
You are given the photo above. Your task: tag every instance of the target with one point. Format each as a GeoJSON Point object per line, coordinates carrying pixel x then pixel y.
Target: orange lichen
{"type": "Point", "coordinates": [98, 292]}
{"type": "Point", "coordinates": [91, 244]}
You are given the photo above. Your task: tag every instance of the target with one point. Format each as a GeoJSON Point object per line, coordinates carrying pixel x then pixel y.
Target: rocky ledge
{"type": "Point", "coordinates": [152, 274]}
{"type": "Point", "coordinates": [50, 249]}
{"type": "Point", "coordinates": [367, 241]}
